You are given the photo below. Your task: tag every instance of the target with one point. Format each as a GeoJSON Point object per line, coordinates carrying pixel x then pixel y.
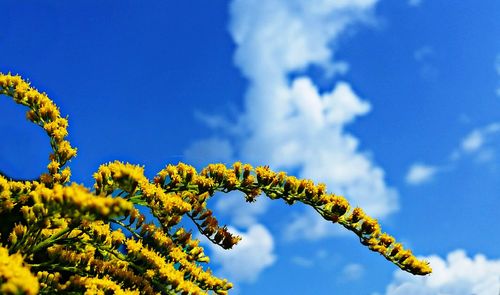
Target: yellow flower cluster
{"type": "Point", "coordinates": [48, 280]}
{"type": "Point", "coordinates": [165, 270]}
{"type": "Point", "coordinates": [15, 276]}
{"type": "Point", "coordinates": [11, 191]}
{"type": "Point", "coordinates": [332, 207]}
{"type": "Point", "coordinates": [75, 201]}
{"type": "Point", "coordinates": [60, 237]}
{"type": "Point", "coordinates": [371, 235]}
{"type": "Point", "coordinates": [118, 175]}
{"type": "Point", "coordinates": [280, 186]}
{"type": "Point", "coordinates": [43, 112]}
{"type": "Point", "coordinates": [115, 266]}
{"type": "Point", "coordinates": [101, 286]}
{"type": "Point", "coordinates": [276, 185]}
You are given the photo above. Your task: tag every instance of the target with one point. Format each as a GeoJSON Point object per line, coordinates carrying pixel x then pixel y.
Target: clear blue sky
{"type": "Point", "coordinates": [395, 104]}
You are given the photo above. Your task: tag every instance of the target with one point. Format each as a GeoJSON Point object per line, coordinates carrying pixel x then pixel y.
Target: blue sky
{"type": "Point", "coordinates": [394, 104]}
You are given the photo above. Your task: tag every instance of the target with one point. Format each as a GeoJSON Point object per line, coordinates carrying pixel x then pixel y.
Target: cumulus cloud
{"type": "Point", "coordinates": [288, 123]}
{"type": "Point", "coordinates": [420, 173]}
{"type": "Point", "coordinates": [246, 260]}
{"type": "Point", "coordinates": [291, 124]}
{"type": "Point", "coordinates": [458, 274]}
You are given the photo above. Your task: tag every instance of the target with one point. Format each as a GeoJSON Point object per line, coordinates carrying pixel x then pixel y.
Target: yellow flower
{"type": "Point", "coordinates": [15, 277]}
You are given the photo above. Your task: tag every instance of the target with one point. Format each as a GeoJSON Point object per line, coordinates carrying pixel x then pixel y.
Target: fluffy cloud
{"type": "Point", "coordinates": [458, 274]}
{"type": "Point", "coordinates": [420, 173]}
{"type": "Point", "coordinates": [290, 124]}
{"type": "Point", "coordinates": [246, 260]}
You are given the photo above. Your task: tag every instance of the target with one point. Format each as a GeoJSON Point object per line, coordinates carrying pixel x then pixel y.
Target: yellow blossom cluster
{"type": "Point", "coordinates": [43, 112]}
{"type": "Point", "coordinates": [101, 286]}
{"type": "Point", "coordinates": [61, 237]}
{"type": "Point", "coordinates": [15, 275]}
{"type": "Point", "coordinates": [332, 207]}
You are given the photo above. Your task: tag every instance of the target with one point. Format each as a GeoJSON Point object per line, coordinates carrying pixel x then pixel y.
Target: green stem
{"type": "Point", "coordinates": [51, 240]}
{"type": "Point", "coordinates": [129, 228]}
{"type": "Point", "coordinates": [138, 200]}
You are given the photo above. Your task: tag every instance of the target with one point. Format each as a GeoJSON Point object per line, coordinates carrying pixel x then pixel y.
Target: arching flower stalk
{"type": "Point", "coordinates": [57, 236]}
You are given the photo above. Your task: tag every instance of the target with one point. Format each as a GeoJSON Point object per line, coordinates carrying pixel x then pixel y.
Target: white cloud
{"type": "Point", "coordinates": [278, 36]}
{"type": "Point", "coordinates": [289, 124]}
{"type": "Point", "coordinates": [414, 2]}
{"type": "Point", "coordinates": [352, 272]}
{"type": "Point", "coordinates": [475, 141]}
{"type": "Point", "coordinates": [458, 274]}
{"type": "Point", "coordinates": [249, 258]}
{"type": "Point", "coordinates": [420, 173]}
